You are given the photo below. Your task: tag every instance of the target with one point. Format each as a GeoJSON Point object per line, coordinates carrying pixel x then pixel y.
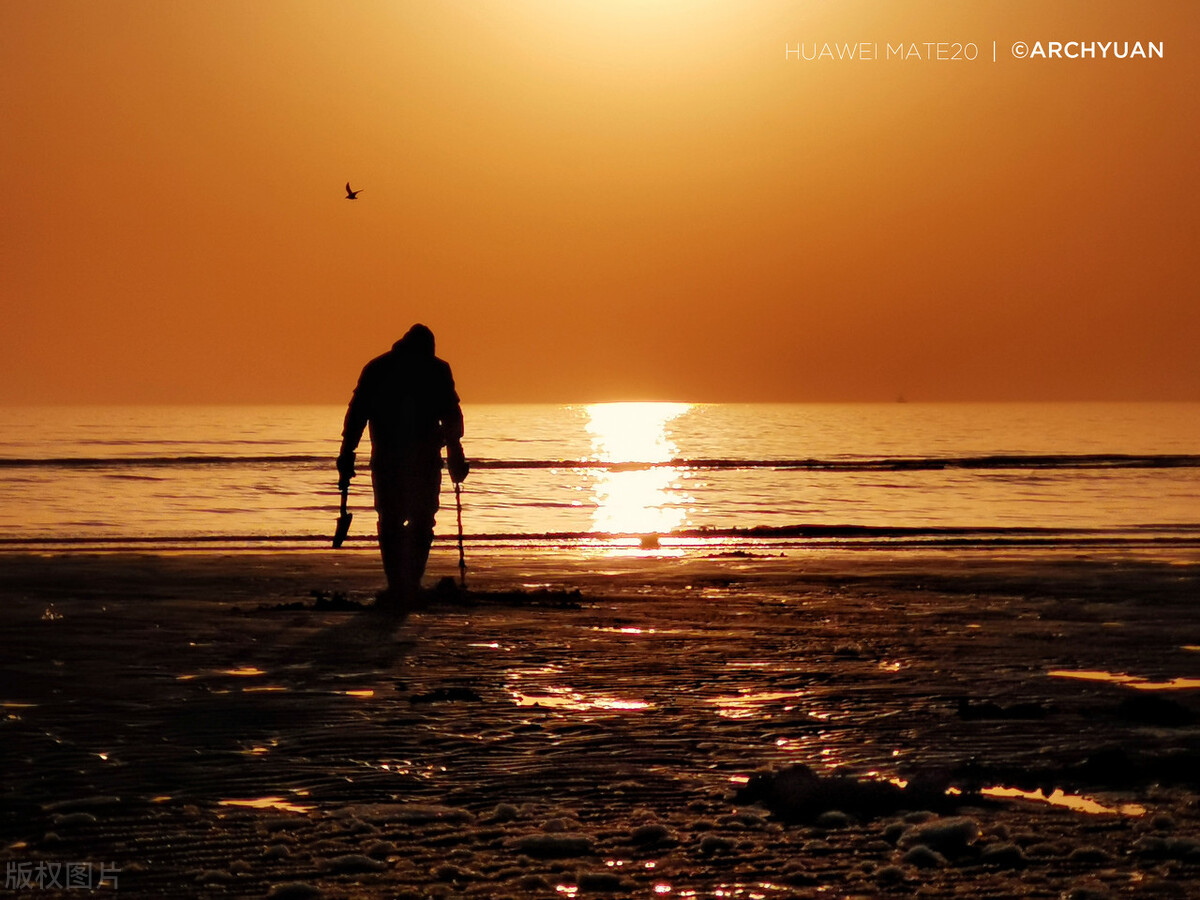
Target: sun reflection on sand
{"type": "Point", "coordinates": [561, 697]}
{"type": "Point", "coordinates": [1133, 681]}
{"type": "Point", "coordinates": [269, 803]}
{"type": "Point", "coordinates": [748, 705]}
{"type": "Point", "coordinates": [565, 698]}
{"type": "Point", "coordinates": [1058, 797]}
{"type": "Point", "coordinates": [647, 501]}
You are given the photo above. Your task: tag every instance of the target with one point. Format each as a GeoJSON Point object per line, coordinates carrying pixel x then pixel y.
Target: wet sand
{"type": "Point", "coordinates": [605, 727]}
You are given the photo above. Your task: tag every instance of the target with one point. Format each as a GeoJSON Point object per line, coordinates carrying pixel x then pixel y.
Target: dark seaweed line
{"type": "Point", "coordinates": [881, 464]}
{"type": "Point", "coordinates": [1151, 534]}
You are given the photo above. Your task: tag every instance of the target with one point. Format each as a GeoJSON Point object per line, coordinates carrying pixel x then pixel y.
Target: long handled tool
{"type": "Point", "coordinates": [343, 522]}
{"type": "Point", "coordinates": [462, 559]}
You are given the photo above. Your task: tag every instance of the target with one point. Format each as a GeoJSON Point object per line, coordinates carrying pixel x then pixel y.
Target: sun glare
{"type": "Point", "coordinates": [632, 432]}
{"type": "Point", "coordinates": [642, 501]}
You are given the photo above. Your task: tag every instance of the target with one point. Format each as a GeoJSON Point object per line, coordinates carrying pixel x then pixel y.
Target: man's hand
{"type": "Point", "coordinates": [345, 467]}
{"type": "Point", "coordinates": [456, 463]}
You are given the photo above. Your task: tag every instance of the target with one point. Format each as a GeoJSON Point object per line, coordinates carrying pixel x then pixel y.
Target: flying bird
{"type": "Point", "coordinates": [352, 195]}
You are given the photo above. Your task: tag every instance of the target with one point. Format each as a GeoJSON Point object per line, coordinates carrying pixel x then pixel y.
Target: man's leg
{"type": "Point", "coordinates": [389, 504]}
{"type": "Point", "coordinates": [423, 484]}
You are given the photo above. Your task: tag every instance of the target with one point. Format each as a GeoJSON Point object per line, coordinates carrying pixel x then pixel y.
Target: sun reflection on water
{"type": "Point", "coordinates": [645, 501]}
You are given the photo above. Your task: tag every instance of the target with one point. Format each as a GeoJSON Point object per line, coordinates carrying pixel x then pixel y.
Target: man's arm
{"type": "Point", "coordinates": [357, 414]}
{"type": "Point", "coordinates": [452, 431]}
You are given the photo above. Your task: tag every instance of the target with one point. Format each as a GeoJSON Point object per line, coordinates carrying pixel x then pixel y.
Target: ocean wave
{"type": "Point", "coordinates": [875, 464]}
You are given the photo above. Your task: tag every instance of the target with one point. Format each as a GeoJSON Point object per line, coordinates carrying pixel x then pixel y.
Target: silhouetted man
{"type": "Point", "coordinates": [407, 395]}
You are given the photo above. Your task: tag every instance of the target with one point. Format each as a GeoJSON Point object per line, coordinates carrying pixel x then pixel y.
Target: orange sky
{"type": "Point", "coordinates": [596, 199]}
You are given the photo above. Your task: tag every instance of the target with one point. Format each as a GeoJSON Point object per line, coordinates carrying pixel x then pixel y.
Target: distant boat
{"type": "Point", "coordinates": [352, 195]}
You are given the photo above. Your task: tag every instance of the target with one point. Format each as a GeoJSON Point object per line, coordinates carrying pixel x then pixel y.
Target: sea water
{"type": "Point", "coordinates": [251, 476]}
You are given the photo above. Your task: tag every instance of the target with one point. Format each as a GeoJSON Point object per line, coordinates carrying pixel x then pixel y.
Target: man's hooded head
{"type": "Point", "coordinates": [417, 341]}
